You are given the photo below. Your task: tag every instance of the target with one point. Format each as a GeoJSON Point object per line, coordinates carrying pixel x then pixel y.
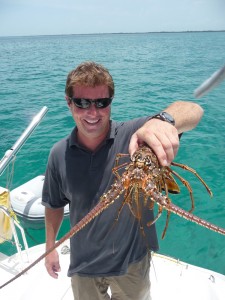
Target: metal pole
{"type": "Point", "coordinates": [210, 83]}
{"type": "Point", "coordinates": [10, 154]}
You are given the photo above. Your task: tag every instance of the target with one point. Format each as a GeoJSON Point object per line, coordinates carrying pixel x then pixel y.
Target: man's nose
{"type": "Point", "coordinates": [92, 108]}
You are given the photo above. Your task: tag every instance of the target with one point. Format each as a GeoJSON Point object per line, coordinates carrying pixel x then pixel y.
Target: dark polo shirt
{"type": "Point", "coordinates": [77, 176]}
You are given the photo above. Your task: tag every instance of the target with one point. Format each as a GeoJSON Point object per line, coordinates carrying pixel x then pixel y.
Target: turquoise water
{"type": "Point", "coordinates": [150, 71]}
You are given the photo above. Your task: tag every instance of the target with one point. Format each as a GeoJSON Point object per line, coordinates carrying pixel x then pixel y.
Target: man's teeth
{"type": "Point", "coordinates": [92, 122]}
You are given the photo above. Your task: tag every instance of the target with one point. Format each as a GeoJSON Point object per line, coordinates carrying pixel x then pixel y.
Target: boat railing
{"type": "Point", "coordinates": [6, 211]}
{"type": "Point", "coordinates": [13, 224]}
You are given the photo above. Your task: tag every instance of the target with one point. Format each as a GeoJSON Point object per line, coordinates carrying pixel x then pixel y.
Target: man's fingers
{"type": "Point", "coordinates": [53, 270]}
{"type": "Point", "coordinates": [133, 146]}
{"type": "Point", "coordinates": [170, 146]}
{"type": "Point", "coordinates": [52, 264]}
{"type": "Point", "coordinates": [165, 144]}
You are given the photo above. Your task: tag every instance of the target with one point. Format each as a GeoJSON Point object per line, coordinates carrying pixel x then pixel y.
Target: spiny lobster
{"type": "Point", "coordinates": [142, 174]}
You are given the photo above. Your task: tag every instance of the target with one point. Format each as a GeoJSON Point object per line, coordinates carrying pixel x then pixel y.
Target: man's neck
{"type": "Point", "coordinates": [92, 143]}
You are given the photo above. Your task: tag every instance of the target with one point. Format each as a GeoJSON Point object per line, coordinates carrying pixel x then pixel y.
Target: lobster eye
{"type": "Point", "coordinates": [148, 162]}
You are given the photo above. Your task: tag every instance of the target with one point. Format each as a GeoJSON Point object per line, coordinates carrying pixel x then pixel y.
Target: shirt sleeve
{"type": "Point", "coordinates": [52, 195]}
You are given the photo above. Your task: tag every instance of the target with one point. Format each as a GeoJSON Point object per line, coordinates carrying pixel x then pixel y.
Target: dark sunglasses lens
{"type": "Point", "coordinates": [102, 103]}
{"type": "Point", "coordinates": [81, 103]}
{"type": "Point", "coordinates": [86, 103]}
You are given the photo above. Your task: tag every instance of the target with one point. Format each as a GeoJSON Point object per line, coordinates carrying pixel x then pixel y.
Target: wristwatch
{"type": "Point", "coordinates": [164, 116]}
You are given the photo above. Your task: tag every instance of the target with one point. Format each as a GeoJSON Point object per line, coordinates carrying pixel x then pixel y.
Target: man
{"type": "Point", "coordinates": [79, 171]}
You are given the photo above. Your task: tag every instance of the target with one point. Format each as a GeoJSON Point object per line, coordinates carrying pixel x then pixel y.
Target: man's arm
{"type": "Point", "coordinates": [187, 115]}
{"type": "Point", "coordinates": [163, 137]}
{"type": "Point", "coordinates": [53, 220]}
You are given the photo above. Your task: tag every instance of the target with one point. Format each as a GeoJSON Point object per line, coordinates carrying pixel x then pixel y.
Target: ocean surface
{"type": "Point", "coordinates": [150, 70]}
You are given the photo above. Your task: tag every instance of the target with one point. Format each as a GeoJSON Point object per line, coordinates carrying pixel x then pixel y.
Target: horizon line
{"type": "Point", "coordinates": [104, 33]}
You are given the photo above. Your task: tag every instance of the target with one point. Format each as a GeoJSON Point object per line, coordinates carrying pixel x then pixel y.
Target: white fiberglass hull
{"type": "Point", "coordinates": [170, 279]}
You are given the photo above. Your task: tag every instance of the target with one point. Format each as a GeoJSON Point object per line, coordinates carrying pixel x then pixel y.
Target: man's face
{"type": "Point", "coordinates": [92, 122]}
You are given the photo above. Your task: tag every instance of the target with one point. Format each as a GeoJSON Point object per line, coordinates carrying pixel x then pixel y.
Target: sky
{"type": "Point", "coordinates": [53, 17]}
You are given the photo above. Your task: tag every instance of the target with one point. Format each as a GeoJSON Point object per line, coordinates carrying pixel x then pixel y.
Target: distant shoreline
{"type": "Point", "coordinates": [107, 33]}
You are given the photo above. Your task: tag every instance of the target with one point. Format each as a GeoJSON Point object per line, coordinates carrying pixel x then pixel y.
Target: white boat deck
{"type": "Point", "coordinates": [170, 279]}
{"type": "Point", "coordinates": [36, 284]}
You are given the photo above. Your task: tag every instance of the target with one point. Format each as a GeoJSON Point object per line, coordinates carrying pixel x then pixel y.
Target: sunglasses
{"type": "Point", "coordinates": [86, 103]}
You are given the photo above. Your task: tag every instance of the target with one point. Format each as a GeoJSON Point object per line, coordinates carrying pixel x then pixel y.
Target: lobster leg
{"type": "Point", "coordinates": [160, 209]}
{"type": "Point", "coordinates": [167, 223]}
{"type": "Point", "coordinates": [187, 185]}
{"type": "Point", "coordinates": [119, 156]}
{"type": "Point", "coordinates": [195, 173]}
{"type": "Point", "coordinates": [117, 167]}
{"type": "Point", "coordinates": [126, 200]}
